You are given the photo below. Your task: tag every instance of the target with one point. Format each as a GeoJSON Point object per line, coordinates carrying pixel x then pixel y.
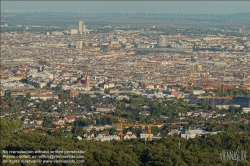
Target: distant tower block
{"type": "Point", "coordinates": [87, 79]}
{"type": "Point", "coordinates": [84, 30]}
{"type": "Point", "coordinates": [198, 67]}
{"type": "Point", "coordinates": [161, 41]}
{"type": "Point", "coordinates": [79, 45]}
{"type": "Point", "coordinates": [81, 24]}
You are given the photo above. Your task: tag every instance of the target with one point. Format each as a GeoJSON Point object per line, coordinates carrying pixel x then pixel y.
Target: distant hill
{"type": "Point", "coordinates": [240, 15]}
{"type": "Point", "coordinates": [243, 15]}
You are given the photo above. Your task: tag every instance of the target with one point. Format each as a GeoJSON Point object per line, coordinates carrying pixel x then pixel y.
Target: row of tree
{"type": "Point", "coordinates": [167, 151]}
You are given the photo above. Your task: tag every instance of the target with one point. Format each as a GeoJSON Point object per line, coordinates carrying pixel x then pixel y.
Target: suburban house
{"type": "Point", "coordinates": [58, 122]}
{"type": "Point", "coordinates": [158, 136]}
{"type": "Point", "coordinates": [42, 134]}
{"type": "Point", "coordinates": [53, 130]}
{"type": "Point", "coordinates": [104, 133]}
{"type": "Point", "coordinates": [39, 122]}
{"type": "Point", "coordinates": [58, 126]}
{"type": "Point", "coordinates": [145, 113]}
{"type": "Point", "coordinates": [108, 138]}
{"type": "Point", "coordinates": [121, 97]}
{"type": "Point", "coordinates": [196, 133]}
{"type": "Point", "coordinates": [69, 128]}
{"type": "Point", "coordinates": [129, 135]}
{"type": "Point", "coordinates": [109, 109]}
{"type": "Point", "coordinates": [79, 138]}
{"type": "Point", "coordinates": [70, 118]}
{"type": "Point", "coordinates": [89, 135]}
{"type": "Point", "coordinates": [174, 132]}
{"type": "Point", "coordinates": [144, 135]}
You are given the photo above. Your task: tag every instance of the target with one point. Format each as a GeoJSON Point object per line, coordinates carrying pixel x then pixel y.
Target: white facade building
{"type": "Point", "coordinates": [74, 32]}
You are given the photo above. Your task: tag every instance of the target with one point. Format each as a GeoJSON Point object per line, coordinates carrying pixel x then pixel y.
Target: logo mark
{"type": "Point", "coordinates": [233, 155]}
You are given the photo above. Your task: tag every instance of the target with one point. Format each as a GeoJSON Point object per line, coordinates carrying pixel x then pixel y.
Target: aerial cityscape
{"type": "Point", "coordinates": [125, 88]}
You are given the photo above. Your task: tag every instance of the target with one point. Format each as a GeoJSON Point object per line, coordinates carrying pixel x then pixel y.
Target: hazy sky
{"type": "Point", "coordinates": [216, 7]}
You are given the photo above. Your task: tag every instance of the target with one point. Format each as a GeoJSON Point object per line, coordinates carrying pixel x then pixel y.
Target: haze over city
{"type": "Point", "coordinates": [212, 7]}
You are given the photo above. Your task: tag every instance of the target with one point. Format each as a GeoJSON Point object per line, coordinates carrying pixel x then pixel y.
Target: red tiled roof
{"type": "Point", "coordinates": [70, 117]}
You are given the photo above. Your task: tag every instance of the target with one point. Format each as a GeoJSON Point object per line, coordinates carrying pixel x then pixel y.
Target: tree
{"type": "Point", "coordinates": [123, 106]}
{"type": "Point", "coordinates": [59, 133]}
{"type": "Point", "coordinates": [65, 96]}
{"type": "Point", "coordinates": [192, 59]}
{"type": "Point", "coordinates": [28, 95]}
{"type": "Point", "coordinates": [112, 131]}
{"type": "Point", "coordinates": [154, 105]}
{"type": "Point", "coordinates": [7, 125]}
{"type": "Point", "coordinates": [24, 80]}
{"type": "Point", "coordinates": [107, 91]}
{"type": "Point", "coordinates": [89, 103]}
{"type": "Point", "coordinates": [137, 100]}
{"type": "Point", "coordinates": [78, 131]}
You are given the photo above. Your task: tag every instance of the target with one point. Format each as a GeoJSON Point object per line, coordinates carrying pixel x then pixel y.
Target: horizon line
{"type": "Point", "coordinates": [18, 11]}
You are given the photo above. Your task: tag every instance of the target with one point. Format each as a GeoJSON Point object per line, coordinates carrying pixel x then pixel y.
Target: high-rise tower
{"type": "Point", "coordinates": [161, 41]}
{"type": "Point", "coordinates": [84, 30]}
{"type": "Point", "coordinates": [81, 24]}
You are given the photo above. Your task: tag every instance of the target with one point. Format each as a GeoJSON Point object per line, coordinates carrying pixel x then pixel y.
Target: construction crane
{"type": "Point", "coordinates": [123, 123]}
